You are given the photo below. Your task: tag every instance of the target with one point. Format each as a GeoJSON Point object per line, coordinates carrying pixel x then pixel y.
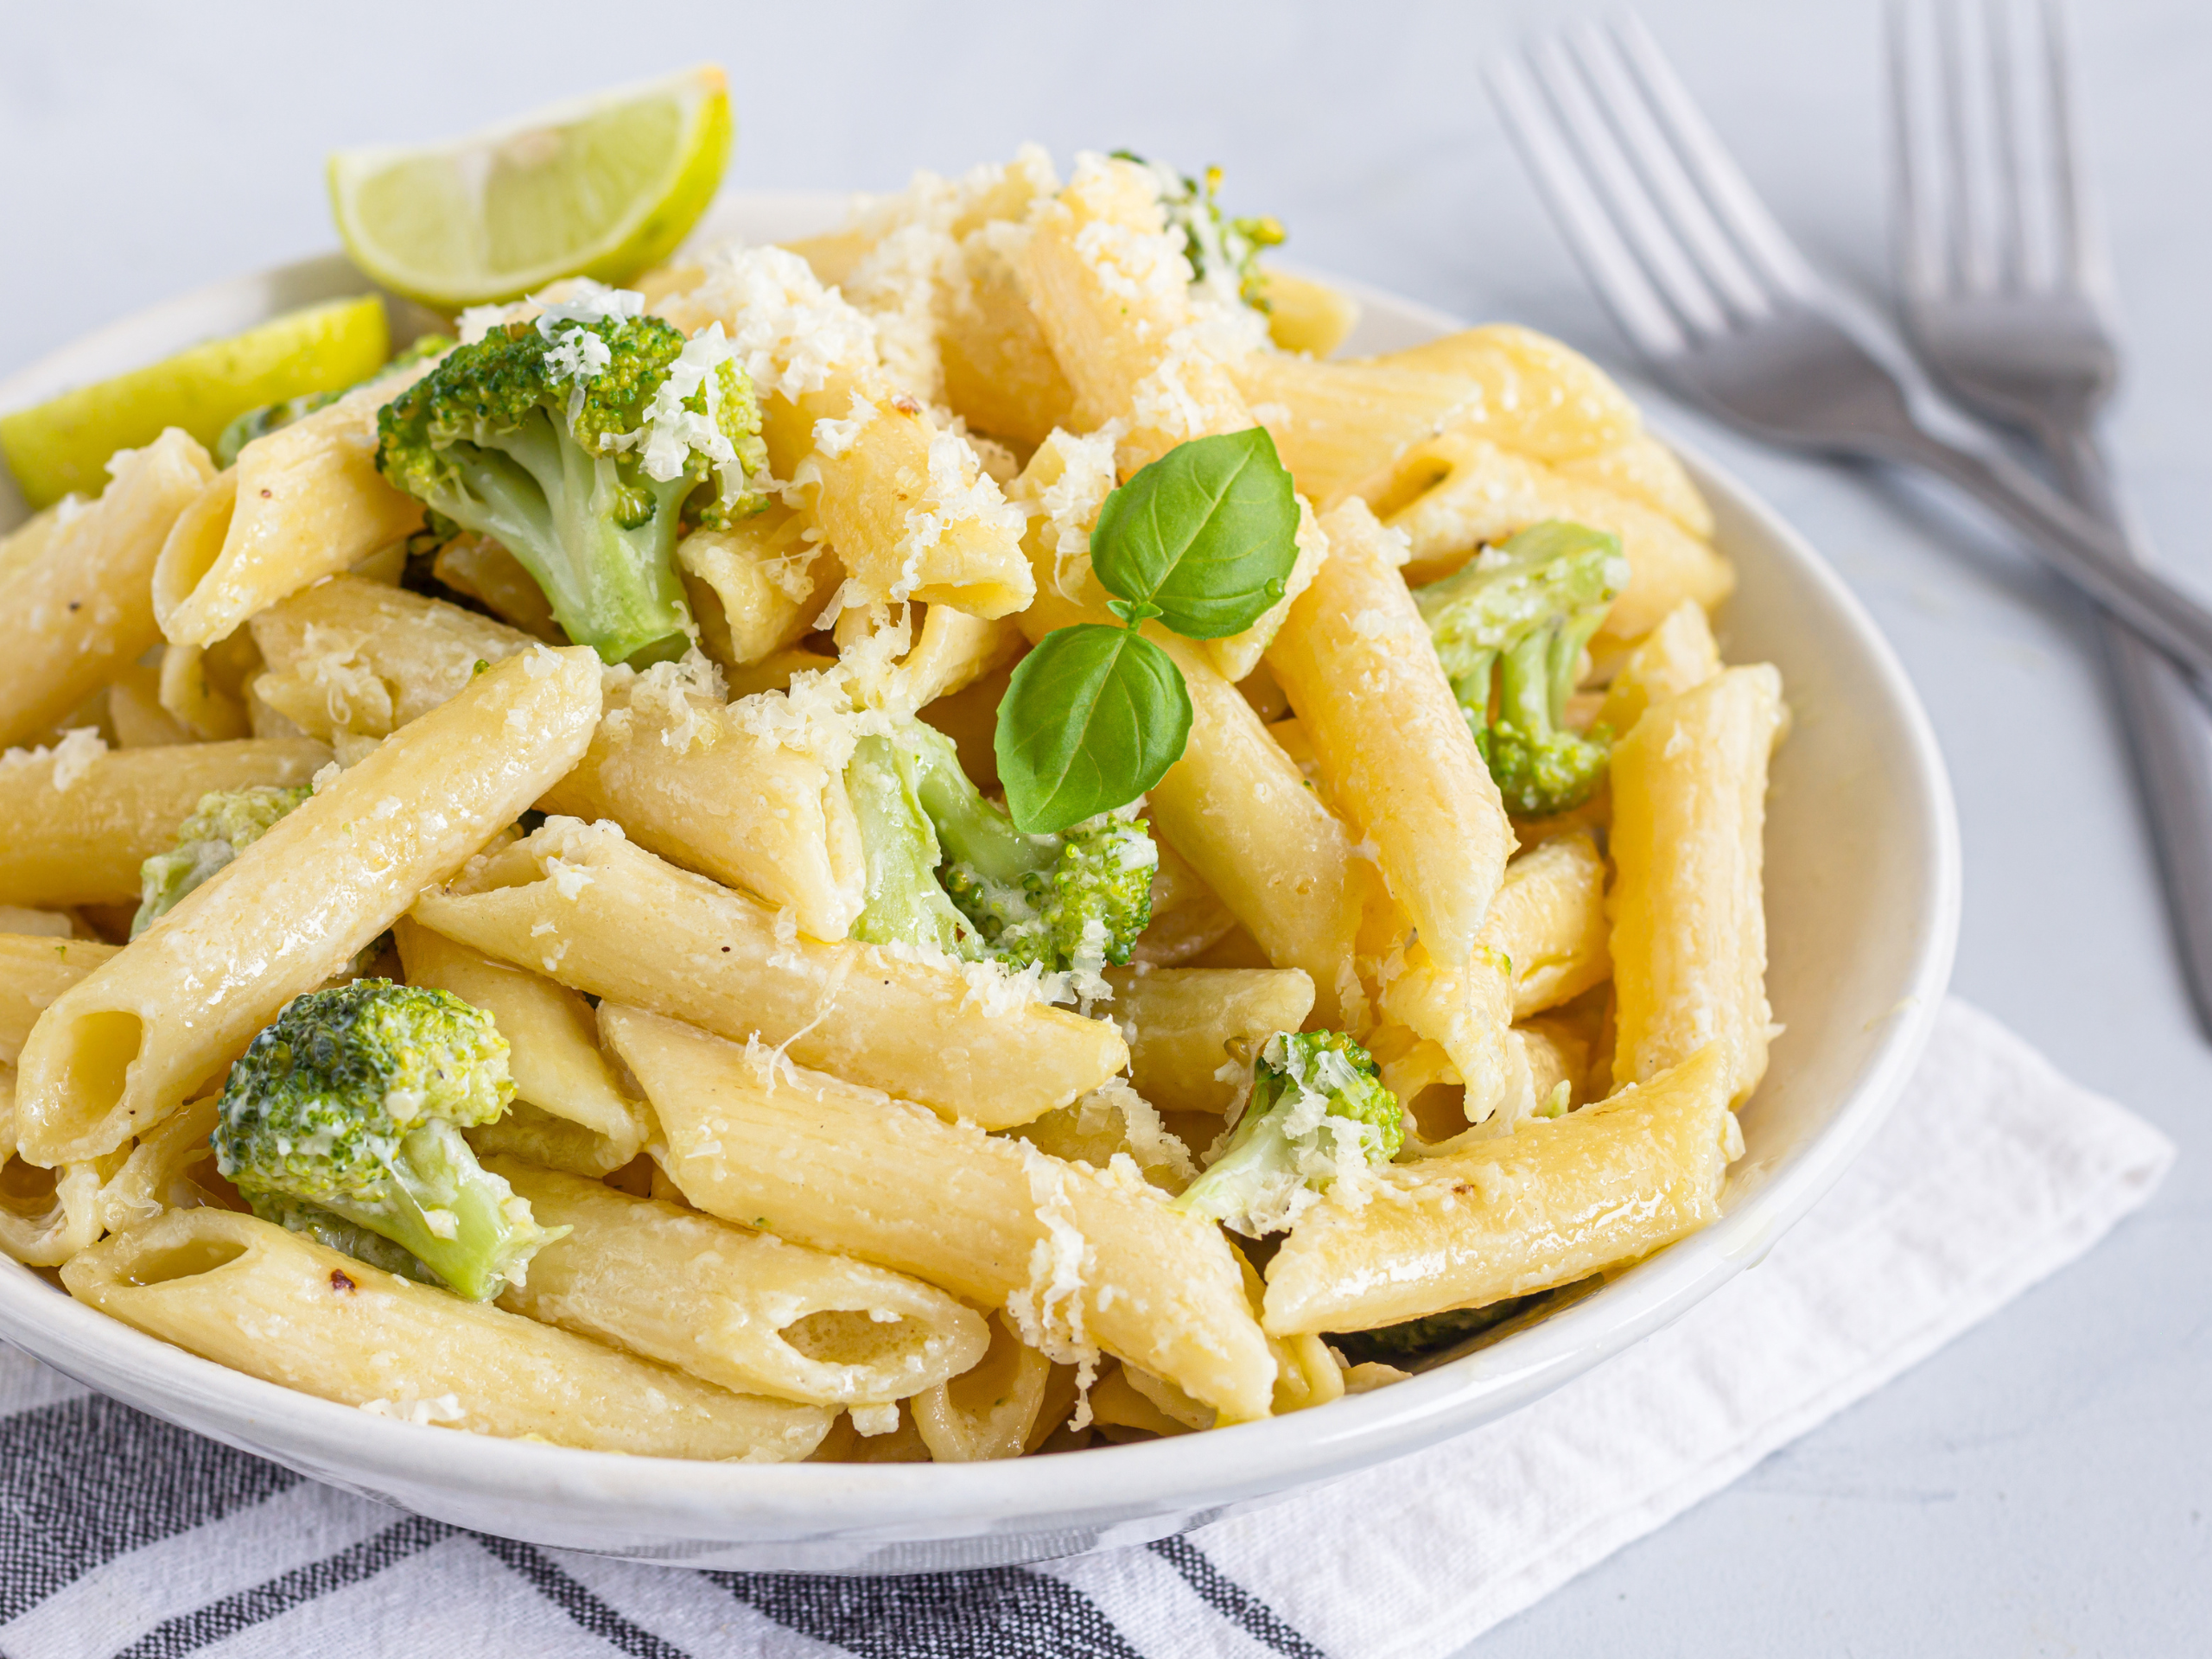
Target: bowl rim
{"type": "Point", "coordinates": [1216, 1469]}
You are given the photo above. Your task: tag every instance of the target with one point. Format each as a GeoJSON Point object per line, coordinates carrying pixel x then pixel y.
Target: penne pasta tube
{"type": "Point", "coordinates": [682, 773]}
{"type": "Point", "coordinates": [1110, 287]}
{"type": "Point", "coordinates": [1549, 921]}
{"type": "Point", "coordinates": [1689, 926]}
{"type": "Point", "coordinates": [1677, 656]}
{"type": "Point", "coordinates": [552, 1035]}
{"type": "Point", "coordinates": [741, 1309]}
{"type": "Point", "coordinates": [1186, 1026]}
{"type": "Point", "coordinates": [1187, 916]}
{"type": "Point", "coordinates": [486, 572]}
{"type": "Point", "coordinates": [990, 1410]}
{"type": "Point", "coordinates": [1643, 469]}
{"type": "Point", "coordinates": [203, 688]}
{"type": "Point", "coordinates": [1458, 493]}
{"type": "Point", "coordinates": [905, 502]}
{"type": "Point", "coordinates": [160, 1172]}
{"type": "Point", "coordinates": [579, 903]}
{"type": "Point", "coordinates": [1467, 1010]}
{"type": "Point", "coordinates": [1081, 1260]}
{"type": "Point", "coordinates": [124, 1048]}
{"type": "Point", "coordinates": [279, 1306]}
{"type": "Point", "coordinates": [1532, 395]}
{"type": "Point", "coordinates": [766, 574]}
{"type": "Point", "coordinates": [1305, 316]}
{"type": "Point", "coordinates": [1234, 806]}
{"type": "Point", "coordinates": [303, 502]}
{"type": "Point", "coordinates": [1339, 425]}
{"type": "Point", "coordinates": [134, 708]}
{"type": "Point", "coordinates": [1557, 1057]}
{"type": "Point", "coordinates": [76, 824]}
{"type": "Point", "coordinates": [47, 924]}
{"type": "Point", "coordinates": [1394, 748]}
{"type": "Point", "coordinates": [48, 1216]}
{"type": "Point", "coordinates": [33, 972]}
{"type": "Point", "coordinates": [74, 604]}
{"type": "Point", "coordinates": [1555, 1201]}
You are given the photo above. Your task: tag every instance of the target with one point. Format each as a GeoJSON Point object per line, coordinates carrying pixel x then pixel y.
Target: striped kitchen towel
{"type": "Point", "coordinates": [120, 1535]}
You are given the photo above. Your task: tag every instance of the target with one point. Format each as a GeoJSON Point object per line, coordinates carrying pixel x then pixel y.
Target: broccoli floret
{"type": "Point", "coordinates": [222, 826]}
{"type": "Point", "coordinates": [1317, 1111]}
{"type": "Point", "coordinates": [351, 1105]}
{"type": "Point", "coordinates": [583, 443]}
{"type": "Point", "coordinates": [947, 867]}
{"type": "Point", "coordinates": [260, 423]}
{"type": "Point", "coordinates": [1224, 252]}
{"type": "Point", "coordinates": [1526, 608]}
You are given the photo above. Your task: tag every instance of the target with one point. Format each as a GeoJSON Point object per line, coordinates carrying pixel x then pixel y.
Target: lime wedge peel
{"type": "Point", "coordinates": [63, 444]}
{"type": "Point", "coordinates": [601, 186]}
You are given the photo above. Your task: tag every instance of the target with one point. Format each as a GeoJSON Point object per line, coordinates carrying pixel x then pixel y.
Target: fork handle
{"type": "Point", "coordinates": [2092, 555]}
{"type": "Point", "coordinates": [2167, 732]}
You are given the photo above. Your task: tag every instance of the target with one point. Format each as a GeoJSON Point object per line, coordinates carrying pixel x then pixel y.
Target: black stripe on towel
{"type": "Point", "coordinates": [1232, 1600]}
{"type": "Point", "coordinates": [579, 1603]}
{"type": "Point", "coordinates": [988, 1614]}
{"type": "Point", "coordinates": [244, 1609]}
{"type": "Point", "coordinates": [148, 1480]}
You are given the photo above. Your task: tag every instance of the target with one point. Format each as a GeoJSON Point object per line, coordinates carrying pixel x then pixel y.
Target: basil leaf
{"type": "Point", "coordinates": [1207, 533]}
{"type": "Point", "coordinates": [1093, 718]}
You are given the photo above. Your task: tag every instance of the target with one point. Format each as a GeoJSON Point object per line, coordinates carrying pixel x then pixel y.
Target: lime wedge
{"type": "Point", "coordinates": [63, 444]}
{"type": "Point", "coordinates": [603, 187]}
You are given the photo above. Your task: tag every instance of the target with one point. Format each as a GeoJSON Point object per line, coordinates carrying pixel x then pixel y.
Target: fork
{"type": "Point", "coordinates": [2002, 286]}
{"type": "Point", "coordinates": [1713, 292]}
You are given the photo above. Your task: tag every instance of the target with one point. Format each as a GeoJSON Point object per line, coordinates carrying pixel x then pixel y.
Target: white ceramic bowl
{"type": "Point", "coordinates": [1862, 891]}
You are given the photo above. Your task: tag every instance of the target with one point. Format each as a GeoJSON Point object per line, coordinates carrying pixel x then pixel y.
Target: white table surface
{"type": "Point", "coordinates": [2041, 1487]}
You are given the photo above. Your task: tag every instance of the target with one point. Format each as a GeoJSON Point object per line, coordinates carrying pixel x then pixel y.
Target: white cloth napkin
{"type": "Point", "coordinates": [120, 1535]}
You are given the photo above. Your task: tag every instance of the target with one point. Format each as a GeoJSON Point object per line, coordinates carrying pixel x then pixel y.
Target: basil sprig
{"type": "Point", "coordinates": [1204, 539]}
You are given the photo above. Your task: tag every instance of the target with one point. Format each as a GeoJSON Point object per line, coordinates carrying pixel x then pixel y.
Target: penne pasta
{"type": "Point", "coordinates": [1458, 493]}
{"type": "Point", "coordinates": [1186, 1026]}
{"type": "Point", "coordinates": [905, 502]}
{"type": "Point", "coordinates": [1393, 747]}
{"type": "Point", "coordinates": [769, 576]}
{"type": "Point", "coordinates": [1081, 1260]}
{"type": "Point", "coordinates": [76, 822]}
{"type": "Point", "coordinates": [1553, 1202]}
{"type": "Point", "coordinates": [1677, 656]}
{"type": "Point", "coordinates": [34, 969]}
{"type": "Point", "coordinates": [489, 574]}
{"type": "Point", "coordinates": [990, 1410]}
{"type": "Point", "coordinates": [1338, 426]}
{"type": "Point", "coordinates": [1532, 395]}
{"type": "Point", "coordinates": [274, 1305]}
{"type": "Point", "coordinates": [741, 1309]}
{"type": "Point", "coordinates": [1549, 921]}
{"type": "Point", "coordinates": [580, 904]}
{"type": "Point", "coordinates": [74, 604]}
{"type": "Point", "coordinates": [682, 772]}
{"type": "Point", "coordinates": [552, 1033]}
{"type": "Point", "coordinates": [303, 502]}
{"type": "Point", "coordinates": [111, 1058]}
{"type": "Point", "coordinates": [1689, 929]}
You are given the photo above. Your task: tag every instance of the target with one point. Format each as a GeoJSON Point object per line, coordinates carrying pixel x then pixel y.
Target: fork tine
{"type": "Point", "coordinates": [1644, 228]}
{"type": "Point", "coordinates": [1654, 158]}
{"type": "Point", "coordinates": [2081, 251]}
{"type": "Point", "coordinates": [1706, 161]}
{"type": "Point", "coordinates": [1971, 256]}
{"type": "Point", "coordinates": [1605, 259]}
{"type": "Point", "coordinates": [2008, 210]}
{"type": "Point", "coordinates": [1917, 232]}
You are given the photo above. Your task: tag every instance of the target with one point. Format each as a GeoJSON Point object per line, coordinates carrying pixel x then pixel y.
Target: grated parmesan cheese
{"type": "Point", "coordinates": [71, 759]}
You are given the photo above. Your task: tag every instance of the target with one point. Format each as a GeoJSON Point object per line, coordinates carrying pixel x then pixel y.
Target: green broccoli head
{"type": "Point", "coordinates": [353, 1104]}
{"type": "Point", "coordinates": [948, 869]}
{"type": "Point", "coordinates": [224, 825]}
{"type": "Point", "coordinates": [260, 423]}
{"type": "Point", "coordinates": [1317, 1112]}
{"type": "Point", "coordinates": [1518, 615]}
{"type": "Point", "coordinates": [582, 442]}
{"type": "Point", "coordinates": [1223, 251]}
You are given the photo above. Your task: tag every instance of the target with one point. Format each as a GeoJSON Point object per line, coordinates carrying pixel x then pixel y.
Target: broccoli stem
{"type": "Point", "coordinates": [607, 570]}
{"type": "Point", "coordinates": [1253, 1174]}
{"type": "Point", "coordinates": [904, 903]}
{"type": "Point", "coordinates": [969, 829]}
{"type": "Point", "coordinates": [436, 1174]}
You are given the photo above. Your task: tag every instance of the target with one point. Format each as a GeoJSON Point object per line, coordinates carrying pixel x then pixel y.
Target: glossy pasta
{"type": "Point", "coordinates": [827, 1115]}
